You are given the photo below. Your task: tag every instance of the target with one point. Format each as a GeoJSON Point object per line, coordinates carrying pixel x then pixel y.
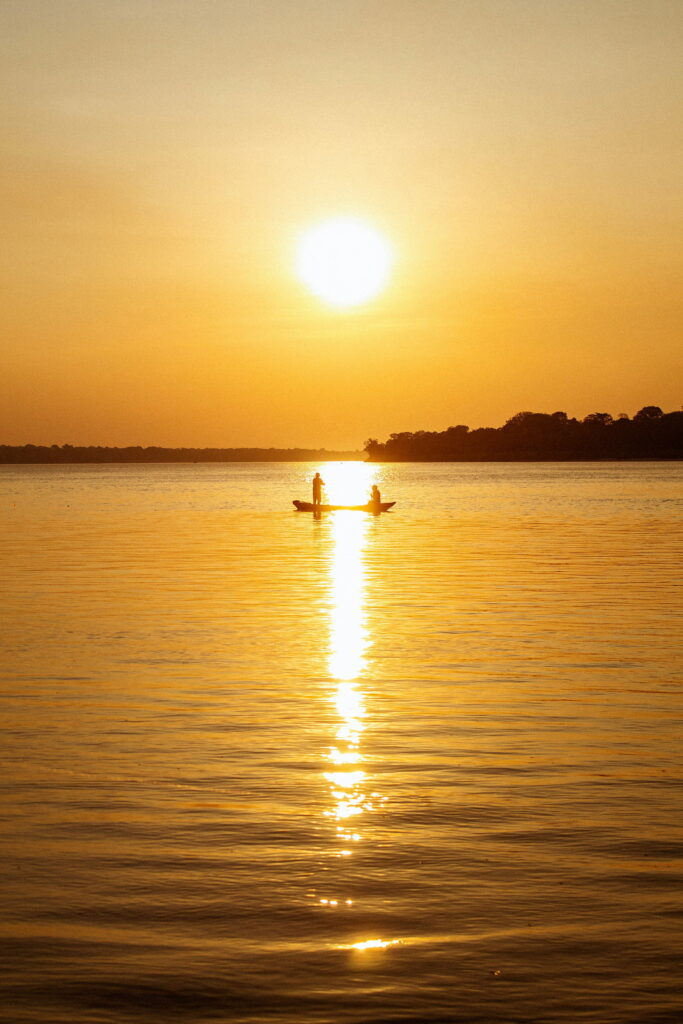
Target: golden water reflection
{"type": "Point", "coordinates": [349, 642]}
{"type": "Point", "coordinates": [347, 662]}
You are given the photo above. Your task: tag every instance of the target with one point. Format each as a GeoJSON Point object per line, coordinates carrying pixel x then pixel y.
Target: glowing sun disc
{"type": "Point", "coordinates": [344, 261]}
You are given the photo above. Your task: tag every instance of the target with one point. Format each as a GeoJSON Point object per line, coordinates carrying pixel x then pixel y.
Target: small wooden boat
{"type": "Point", "coordinates": [372, 506]}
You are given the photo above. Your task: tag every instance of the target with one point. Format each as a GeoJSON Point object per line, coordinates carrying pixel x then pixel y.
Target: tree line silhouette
{"type": "Point", "coordinates": [32, 453]}
{"type": "Point", "coordinates": [528, 436]}
{"type": "Point", "coordinates": [536, 436]}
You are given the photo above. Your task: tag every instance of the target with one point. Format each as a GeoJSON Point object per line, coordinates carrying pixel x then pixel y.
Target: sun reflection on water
{"type": "Point", "coordinates": [349, 642]}
{"type": "Point", "coordinates": [372, 944]}
{"type": "Point", "coordinates": [347, 662]}
{"type": "Point", "coordinates": [348, 633]}
{"type": "Point", "coordinates": [348, 483]}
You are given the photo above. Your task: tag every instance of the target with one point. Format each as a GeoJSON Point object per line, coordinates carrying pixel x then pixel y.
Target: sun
{"type": "Point", "coordinates": [344, 261]}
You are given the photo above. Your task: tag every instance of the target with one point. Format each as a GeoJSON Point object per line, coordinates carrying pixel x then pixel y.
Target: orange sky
{"type": "Point", "coordinates": [161, 156]}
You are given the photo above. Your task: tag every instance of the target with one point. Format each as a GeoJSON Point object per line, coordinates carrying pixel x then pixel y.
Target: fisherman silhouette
{"type": "Point", "coordinates": [375, 496]}
{"type": "Point", "coordinates": [318, 484]}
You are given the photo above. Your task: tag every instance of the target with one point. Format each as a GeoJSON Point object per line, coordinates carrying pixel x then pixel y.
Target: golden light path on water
{"type": "Point", "coordinates": [349, 640]}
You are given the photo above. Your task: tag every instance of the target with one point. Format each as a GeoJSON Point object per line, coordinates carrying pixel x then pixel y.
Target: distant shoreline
{"type": "Point", "coordinates": [652, 435]}
{"type": "Point", "coordinates": [314, 456]}
{"type": "Point", "coordinates": [72, 454]}
{"type": "Point", "coordinates": [532, 458]}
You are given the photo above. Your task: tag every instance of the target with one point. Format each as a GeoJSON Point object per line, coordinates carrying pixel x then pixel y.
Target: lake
{"type": "Point", "coordinates": [419, 767]}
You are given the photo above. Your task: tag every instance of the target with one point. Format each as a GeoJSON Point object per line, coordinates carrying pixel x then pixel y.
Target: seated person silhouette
{"type": "Point", "coordinates": [375, 496]}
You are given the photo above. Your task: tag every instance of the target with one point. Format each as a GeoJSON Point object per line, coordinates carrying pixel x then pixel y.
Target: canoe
{"type": "Point", "coordinates": [372, 506]}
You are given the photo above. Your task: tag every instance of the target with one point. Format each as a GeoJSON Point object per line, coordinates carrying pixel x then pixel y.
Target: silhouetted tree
{"type": "Point", "coordinates": [648, 412]}
{"type": "Point", "coordinates": [600, 419]}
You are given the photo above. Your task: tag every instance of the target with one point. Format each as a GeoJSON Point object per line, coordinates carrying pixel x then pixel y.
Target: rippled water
{"type": "Point", "coordinates": [423, 766]}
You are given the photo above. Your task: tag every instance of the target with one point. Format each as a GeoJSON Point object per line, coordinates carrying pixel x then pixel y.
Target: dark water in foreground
{"type": "Point", "coordinates": [419, 767]}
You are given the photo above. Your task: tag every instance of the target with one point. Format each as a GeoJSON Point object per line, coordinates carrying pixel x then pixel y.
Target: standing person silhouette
{"type": "Point", "coordinates": [318, 484]}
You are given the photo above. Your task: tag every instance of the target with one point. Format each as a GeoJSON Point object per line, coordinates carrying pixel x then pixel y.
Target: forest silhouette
{"type": "Point", "coordinates": [536, 436]}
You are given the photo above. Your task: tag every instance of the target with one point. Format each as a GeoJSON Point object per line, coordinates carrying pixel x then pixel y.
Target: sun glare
{"type": "Point", "coordinates": [345, 262]}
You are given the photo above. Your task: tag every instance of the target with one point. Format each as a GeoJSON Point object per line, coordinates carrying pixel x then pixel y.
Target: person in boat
{"type": "Point", "coordinates": [318, 484]}
{"type": "Point", "coordinates": [375, 496]}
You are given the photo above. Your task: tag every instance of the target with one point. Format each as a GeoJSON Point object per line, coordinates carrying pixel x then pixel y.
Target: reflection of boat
{"type": "Point", "coordinates": [372, 506]}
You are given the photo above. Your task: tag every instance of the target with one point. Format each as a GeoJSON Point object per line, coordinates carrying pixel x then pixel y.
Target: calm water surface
{"type": "Point", "coordinates": [259, 767]}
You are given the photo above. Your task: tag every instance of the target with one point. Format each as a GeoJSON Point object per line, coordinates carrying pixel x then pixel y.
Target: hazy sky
{"type": "Point", "coordinates": [160, 158]}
